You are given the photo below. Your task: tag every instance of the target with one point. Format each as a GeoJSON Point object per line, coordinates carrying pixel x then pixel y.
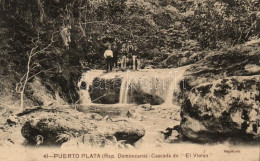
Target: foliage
{"type": "Point", "coordinates": [157, 28]}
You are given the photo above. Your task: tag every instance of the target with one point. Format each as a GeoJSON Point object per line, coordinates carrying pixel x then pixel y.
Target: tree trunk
{"type": "Point", "coordinates": [25, 81]}
{"type": "Point", "coordinates": [2, 4]}
{"type": "Point", "coordinates": [22, 101]}
{"type": "Point", "coordinates": [41, 10]}
{"type": "Point", "coordinates": [80, 25]}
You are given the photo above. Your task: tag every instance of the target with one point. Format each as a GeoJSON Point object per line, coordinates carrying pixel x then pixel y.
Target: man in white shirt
{"type": "Point", "coordinates": [109, 58]}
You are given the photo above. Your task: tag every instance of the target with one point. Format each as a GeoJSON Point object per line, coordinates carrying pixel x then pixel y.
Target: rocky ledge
{"type": "Point", "coordinates": [223, 109]}
{"type": "Point", "coordinates": [55, 127]}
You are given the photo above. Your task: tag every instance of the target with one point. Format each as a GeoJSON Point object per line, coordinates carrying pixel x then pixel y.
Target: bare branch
{"type": "Point", "coordinates": [42, 50]}
{"type": "Point", "coordinates": [20, 87]}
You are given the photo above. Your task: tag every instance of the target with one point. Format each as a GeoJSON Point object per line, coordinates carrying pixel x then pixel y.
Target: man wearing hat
{"type": "Point", "coordinates": [109, 58]}
{"type": "Point", "coordinates": [115, 54]}
{"type": "Point", "coordinates": [124, 55]}
{"type": "Point", "coordinates": [130, 52]}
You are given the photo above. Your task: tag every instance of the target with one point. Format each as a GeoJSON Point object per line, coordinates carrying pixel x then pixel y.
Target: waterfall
{"type": "Point", "coordinates": [87, 78]}
{"type": "Point", "coordinates": [157, 86]}
{"type": "Point", "coordinates": [170, 91]}
{"type": "Point", "coordinates": [123, 97]}
{"type": "Point", "coordinates": [174, 79]}
{"type": "Point", "coordinates": [86, 100]}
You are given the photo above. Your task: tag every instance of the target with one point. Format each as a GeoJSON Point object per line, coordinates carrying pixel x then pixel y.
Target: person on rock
{"type": "Point", "coordinates": [124, 54]}
{"type": "Point", "coordinates": [135, 59]}
{"type": "Point", "coordinates": [109, 58]}
{"type": "Point", "coordinates": [115, 54]}
{"type": "Point", "coordinates": [130, 52]}
{"type": "Point", "coordinates": [135, 62]}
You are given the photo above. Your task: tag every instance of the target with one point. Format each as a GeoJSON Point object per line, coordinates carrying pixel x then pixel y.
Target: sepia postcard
{"type": "Point", "coordinates": [123, 80]}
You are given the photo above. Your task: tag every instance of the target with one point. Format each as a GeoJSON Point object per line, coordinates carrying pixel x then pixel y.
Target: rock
{"type": "Point", "coordinates": [149, 67]}
{"type": "Point", "coordinates": [73, 143]}
{"type": "Point", "coordinates": [252, 68]}
{"type": "Point", "coordinates": [225, 108]}
{"type": "Point", "coordinates": [107, 119]}
{"type": "Point", "coordinates": [94, 116]}
{"type": "Point", "coordinates": [142, 96]}
{"type": "Point", "coordinates": [93, 140]}
{"type": "Point", "coordinates": [101, 140]}
{"type": "Point", "coordinates": [11, 122]}
{"type": "Point", "coordinates": [173, 138]}
{"type": "Point", "coordinates": [183, 58]}
{"type": "Point", "coordinates": [57, 127]}
{"type": "Point", "coordinates": [42, 95]}
{"type": "Point", "coordinates": [105, 90]}
{"type": "Point", "coordinates": [139, 87]}
{"type": "Point", "coordinates": [170, 135]}
{"type": "Point", "coordinates": [146, 107]}
{"type": "Point", "coordinates": [242, 60]}
{"type": "Point", "coordinates": [167, 133]}
{"type": "Point", "coordinates": [12, 119]}
{"type": "Point", "coordinates": [134, 113]}
{"type": "Point", "coordinates": [12, 134]}
{"type": "Point", "coordinates": [125, 131]}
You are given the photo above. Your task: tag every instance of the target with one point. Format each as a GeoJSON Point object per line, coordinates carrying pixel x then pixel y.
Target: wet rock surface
{"type": "Point", "coordinates": [154, 119]}
{"type": "Point", "coordinates": [242, 60]}
{"type": "Point", "coordinates": [105, 90]}
{"type": "Point", "coordinates": [54, 127]}
{"type": "Point", "coordinates": [183, 58]}
{"type": "Point", "coordinates": [223, 109]}
{"type": "Point", "coordinates": [133, 87]}
{"type": "Point", "coordinates": [159, 124]}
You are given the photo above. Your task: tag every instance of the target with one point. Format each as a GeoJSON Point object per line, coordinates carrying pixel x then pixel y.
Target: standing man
{"type": "Point", "coordinates": [135, 58]}
{"type": "Point", "coordinates": [109, 58]}
{"type": "Point", "coordinates": [124, 54]}
{"type": "Point", "coordinates": [115, 53]}
{"type": "Point", "coordinates": [135, 62]}
{"type": "Point", "coordinates": [130, 53]}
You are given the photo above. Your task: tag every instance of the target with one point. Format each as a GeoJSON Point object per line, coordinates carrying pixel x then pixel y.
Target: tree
{"type": "Point", "coordinates": [20, 87]}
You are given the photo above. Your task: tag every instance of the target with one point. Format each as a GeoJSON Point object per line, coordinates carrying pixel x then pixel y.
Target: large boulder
{"type": "Point", "coordinates": [54, 127]}
{"type": "Point", "coordinates": [225, 108]}
{"type": "Point", "coordinates": [242, 60]}
{"type": "Point", "coordinates": [153, 87]}
{"type": "Point", "coordinates": [105, 90]}
{"type": "Point", "coordinates": [183, 58]}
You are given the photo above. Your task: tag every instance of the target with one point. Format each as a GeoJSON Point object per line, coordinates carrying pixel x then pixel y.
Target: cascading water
{"type": "Point", "coordinates": [155, 86]}
{"type": "Point", "coordinates": [87, 78]}
{"type": "Point", "coordinates": [171, 88]}
{"type": "Point", "coordinates": [123, 96]}
{"type": "Point", "coordinates": [169, 95]}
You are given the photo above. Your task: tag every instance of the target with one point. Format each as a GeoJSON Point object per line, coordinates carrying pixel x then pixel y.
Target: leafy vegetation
{"type": "Point", "coordinates": [81, 28]}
